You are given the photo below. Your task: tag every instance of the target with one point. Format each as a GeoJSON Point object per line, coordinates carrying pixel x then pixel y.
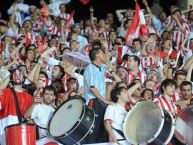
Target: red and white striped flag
{"type": "Point", "coordinates": [138, 26]}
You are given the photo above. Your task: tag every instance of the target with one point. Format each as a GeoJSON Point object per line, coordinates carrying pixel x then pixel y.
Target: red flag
{"type": "Point", "coordinates": [28, 38]}
{"type": "Point", "coordinates": [71, 16]}
{"type": "Point", "coordinates": [42, 44]}
{"type": "Point", "coordinates": [84, 2]}
{"type": "Point", "coordinates": [120, 53]}
{"type": "Point", "coordinates": [138, 27]}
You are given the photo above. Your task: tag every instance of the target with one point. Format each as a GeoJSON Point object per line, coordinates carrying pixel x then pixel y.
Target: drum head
{"type": "Point", "coordinates": [184, 126]}
{"type": "Point", "coordinates": [143, 123]}
{"type": "Point", "coordinates": [66, 117]}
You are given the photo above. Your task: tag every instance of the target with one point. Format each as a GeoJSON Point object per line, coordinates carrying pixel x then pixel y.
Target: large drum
{"type": "Point", "coordinates": [184, 126]}
{"type": "Point", "coordinates": [72, 121]}
{"type": "Point", "coordinates": [20, 134]}
{"type": "Point", "coordinates": [147, 123]}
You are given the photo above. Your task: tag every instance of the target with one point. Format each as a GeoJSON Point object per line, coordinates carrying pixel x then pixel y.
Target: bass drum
{"type": "Point", "coordinates": [20, 134]}
{"type": "Point", "coordinates": [184, 126]}
{"type": "Point", "coordinates": [147, 123]}
{"type": "Point", "coordinates": [72, 121]}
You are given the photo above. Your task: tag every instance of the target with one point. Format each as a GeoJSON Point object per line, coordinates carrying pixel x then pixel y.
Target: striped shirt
{"type": "Point", "coordinates": [168, 105]}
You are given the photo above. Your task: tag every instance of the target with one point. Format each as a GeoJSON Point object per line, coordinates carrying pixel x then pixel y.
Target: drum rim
{"type": "Point", "coordinates": [172, 129]}
{"type": "Point", "coordinates": [90, 126]}
{"type": "Point", "coordinates": [158, 130]}
{"type": "Point", "coordinates": [23, 124]}
{"type": "Point", "coordinates": [76, 124]}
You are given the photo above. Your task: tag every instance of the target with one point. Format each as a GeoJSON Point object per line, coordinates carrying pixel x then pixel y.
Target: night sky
{"type": "Point", "coordinates": [101, 6]}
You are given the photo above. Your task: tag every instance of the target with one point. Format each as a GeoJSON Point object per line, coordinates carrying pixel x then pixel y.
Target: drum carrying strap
{"type": "Point", "coordinates": [17, 106]}
{"type": "Point", "coordinates": [119, 132]}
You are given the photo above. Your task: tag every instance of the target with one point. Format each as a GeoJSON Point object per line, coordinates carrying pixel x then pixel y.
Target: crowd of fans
{"type": "Point", "coordinates": [34, 48]}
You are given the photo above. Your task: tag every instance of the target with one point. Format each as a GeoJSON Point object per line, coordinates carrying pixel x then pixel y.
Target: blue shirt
{"type": "Point", "coordinates": [94, 76]}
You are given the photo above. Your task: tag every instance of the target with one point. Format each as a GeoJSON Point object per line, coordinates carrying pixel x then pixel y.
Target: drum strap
{"type": "Point", "coordinates": [119, 132]}
{"type": "Point", "coordinates": [17, 106]}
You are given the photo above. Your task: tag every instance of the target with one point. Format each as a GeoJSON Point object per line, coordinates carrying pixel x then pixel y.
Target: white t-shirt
{"type": "Point", "coordinates": [41, 115]}
{"type": "Point", "coordinates": [116, 114]}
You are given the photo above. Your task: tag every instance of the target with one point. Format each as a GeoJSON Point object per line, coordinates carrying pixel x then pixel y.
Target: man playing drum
{"type": "Point", "coordinates": [115, 115]}
{"type": "Point", "coordinates": [8, 113]}
{"type": "Point", "coordinates": [42, 110]}
{"type": "Point", "coordinates": [95, 89]}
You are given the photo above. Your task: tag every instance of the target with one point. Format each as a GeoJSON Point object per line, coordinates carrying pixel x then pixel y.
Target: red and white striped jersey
{"type": "Point", "coordinates": [177, 97]}
{"type": "Point", "coordinates": [168, 105]}
{"type": "Point", "coordinates": [54, 30]}
{"type": "Point", "coordinates": [104, 33]}
{"type": "Point", "coordinates": [151, 29]}
{"type": "Point", "coordinates": [30, 38]}
{"type": "Point", "coordinates": [179, 36]}
{"type": "Point", "coordinates": [139, 75]}
{"type": "Point", "coordinates": [66, 16]}
{"type": "Point", "coordinates": [148, 61]}
{"type": "Point", "coordinates": [38, 25]}
{"type": "Point", "coordinates": [190, 24]}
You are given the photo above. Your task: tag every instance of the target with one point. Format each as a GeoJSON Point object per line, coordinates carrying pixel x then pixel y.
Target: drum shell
{"type": "Point", "coordinates": [167, 130]}
{"type": "Point", "coordinates": [151, 119]}
{"type": "Point", "coordinates": [80, 130]}
{"type": "Point", "coordinates": [20, 134]}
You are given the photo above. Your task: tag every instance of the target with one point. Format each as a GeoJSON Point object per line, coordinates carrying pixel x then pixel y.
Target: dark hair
{"type": "Point", "coordinates": [189, 13]}
{"type": "Point", "coordinates": [166, 83]}
{"type": "Point", "coordinates": [12, 72]}
{"type": "Point", "coordinates": [93, 52]}
{"type": "Point", "coordinates": [49, 88]}
{"type": "Point", "coordinates": [135, 58]}
{"type": "Point", "coordinates": [72, 80]}
{"type": "Point", "coordinates": [44, 73]}
{"type": "Point", "coordinates": [145, 90]}
{"type": "Point", "coordinates": [177, 10]}
{"type": "Point", "coordinates": [70, 44]}
{"type": "Point", "coordinates": [180, 72]}
{"type": "Point", "coordinates": [117, 85]}
{"type": "Point", "coordinates": [131, 85]}
{"type": "Point", "coordinates": [27, 50]}
{"type": "Point", "coordinates": [31, 45]}
{"type": "Point", "coordinates": [3, 24]}
{"type": "Point", "coordinates": [6, 36]}
{"type": "Point", "coordinates": [115, 93]}
{"type": "Point", "coordinates": [185, 83]}
{"type": "Point", "coordinates": [61, 70]}
{"type": "Point", "coordinates": [27, 21]}
{"type": "Point", "coordinates": [125, 57]}
{"type": "Point", "coordinates": [137, 40]}
{"type": "Point", "coordinates": [96, 44]}
{"type": "Point", "coordinates": [122, 39]}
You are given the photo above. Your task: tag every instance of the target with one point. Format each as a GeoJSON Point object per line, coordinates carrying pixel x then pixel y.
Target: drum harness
{"type": "Point", "coordinates": [17, 106]}
{"type": "Point", "coordinates": [120, 133]}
